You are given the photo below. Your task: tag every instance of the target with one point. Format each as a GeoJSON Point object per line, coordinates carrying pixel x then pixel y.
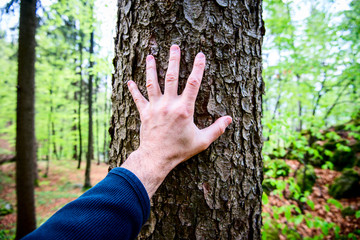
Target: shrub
{"type": "Point", "coordinates": [347, 185]}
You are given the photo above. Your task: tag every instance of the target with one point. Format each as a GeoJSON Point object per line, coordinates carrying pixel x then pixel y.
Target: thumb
{"type": "Point", "coordinates": [216, 129]}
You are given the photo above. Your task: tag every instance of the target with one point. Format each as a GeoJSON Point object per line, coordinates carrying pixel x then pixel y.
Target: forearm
{"type": "Point", "coordinates": [116, 207]}
{"type": "Point", "coordinates": [150, 172]}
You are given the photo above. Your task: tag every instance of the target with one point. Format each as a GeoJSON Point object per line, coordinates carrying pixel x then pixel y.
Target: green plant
{"type": "Point", "coordinates": [276, 168]}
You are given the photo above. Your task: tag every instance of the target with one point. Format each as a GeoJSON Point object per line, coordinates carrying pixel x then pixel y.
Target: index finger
{"type": "Point", "coordinates": [193, 83]}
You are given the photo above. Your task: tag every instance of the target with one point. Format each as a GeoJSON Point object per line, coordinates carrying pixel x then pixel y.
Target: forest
{"type": "Point", "coordinates": [294, 64]}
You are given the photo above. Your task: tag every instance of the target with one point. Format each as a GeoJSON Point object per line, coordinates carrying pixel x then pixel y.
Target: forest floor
{"type": "Point", "coordinates": [63, 184]}
{"type": "Point", "coordinates": [319, 196]}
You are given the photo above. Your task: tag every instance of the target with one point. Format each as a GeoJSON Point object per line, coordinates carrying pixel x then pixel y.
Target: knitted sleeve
{"type": "Point", "coordinates": [116, 208]}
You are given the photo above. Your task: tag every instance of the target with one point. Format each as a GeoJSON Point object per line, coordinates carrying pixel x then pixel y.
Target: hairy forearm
{"type": "Point", "coordinates": [150, 173]}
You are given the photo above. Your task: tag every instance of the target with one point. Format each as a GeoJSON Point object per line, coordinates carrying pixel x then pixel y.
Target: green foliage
{"type": "Point", "coordinates": [276, 168]}
{"type": "Point", "coordinates": [348, 211]}
{"type": "Point", "coordinates": [335, 203]}
{"type": "Point", "coordinates": [4, 179]}
{"type": "Point", "coordinates": [268, 186]}
{"type": "Point", "coordinates": [347, 185]}
{"type": "Point", "coordinates": [7, 234]}
{"type": "Point", "coordinates": [310, 178]}
{"type": "Point", "coordinates": [357, 214]}
{"type": "Point", "coordinates": [5, 208]}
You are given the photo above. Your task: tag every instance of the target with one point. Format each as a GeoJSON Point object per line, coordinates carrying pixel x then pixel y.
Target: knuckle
{"type": "Point", "coordinates": [200, 64]}
{"type": "Point", "coordinates": [173, 57]}
{"type": "Point", "coordinates": [164, 110]}
{"type": "Point", "coordinates": [137, 99]}
{"type": "Point", "coordinates": [171, 77]}
{"type": "Point", "coordinates": [183, 112]}
{"type": "Point", "coordinates": [150, 67]}
{"type": "Point", "coordinates": [220, 130]}
{"type": "Point", "coordinates": [149, 84]}
{"type": "Point", "coordinates": [145, 117]}
{"type": "Point", "coordinates": [193, 81]}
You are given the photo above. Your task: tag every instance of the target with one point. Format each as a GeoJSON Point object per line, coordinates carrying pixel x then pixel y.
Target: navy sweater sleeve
{"type": "Point", "coordinates": [116, 208]}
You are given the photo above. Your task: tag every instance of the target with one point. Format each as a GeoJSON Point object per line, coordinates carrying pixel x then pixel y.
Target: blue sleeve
{"type": "Point", "coordinates": [116, 208]}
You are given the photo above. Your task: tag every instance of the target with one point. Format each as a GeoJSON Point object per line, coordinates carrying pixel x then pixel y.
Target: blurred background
{"type": "Point", "coordinates": [311, 111]}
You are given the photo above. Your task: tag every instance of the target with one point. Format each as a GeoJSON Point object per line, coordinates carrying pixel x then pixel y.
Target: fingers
{"type": "Point", "coordinates": [215, 130]}
{"type": "Point", "coordinates": [139, 99]}
{"type": "Point", "coordinates": [193, 83]}
{"type": "Point", "coordinates": [172, 74]}
{"type": "Point", "coordinates": [152, 84]}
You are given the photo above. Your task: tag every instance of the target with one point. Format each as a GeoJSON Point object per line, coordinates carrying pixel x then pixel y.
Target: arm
{"type": "Point", "coordinates": [116, 207]}
{"type": "Point", "coordinates": [168, 135]}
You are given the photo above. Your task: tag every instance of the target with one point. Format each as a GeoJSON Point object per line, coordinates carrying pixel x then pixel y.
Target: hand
{"type": "Point", "coordinates": [168, 135]}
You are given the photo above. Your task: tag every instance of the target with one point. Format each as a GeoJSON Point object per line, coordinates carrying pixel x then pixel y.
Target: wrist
{"type": "Point", "coordinates": [150, 169]}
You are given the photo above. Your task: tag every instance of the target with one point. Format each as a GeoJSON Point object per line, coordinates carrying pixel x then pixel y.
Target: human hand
{"type": "Point", "coordinates": [168, 135]}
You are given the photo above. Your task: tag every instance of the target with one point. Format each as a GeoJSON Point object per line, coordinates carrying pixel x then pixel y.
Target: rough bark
{"type": "Point", "coordinates": [25, 122]}
{"type": "Point", "coordinates": [106, 114]}
{"type": "Point", "coordinates": [216, 194]}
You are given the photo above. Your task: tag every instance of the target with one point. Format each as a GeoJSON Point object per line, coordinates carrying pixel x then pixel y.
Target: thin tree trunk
{"type": "Point", "coordinates": [299, 104]}
{"type": "Point", "coordinates": [25, 120]}
{"type": "Point", "coordinates": [97, 120]}
{"type": "Point", "coordinates": [320, 94]}
{"type": "Point", "coordinates": [46, 174]}
{"type": "Point", "coordinates": [336, 101]}
{"type": "Point", "coordinates": [87, 183]}
{"type": "Point", "coordinates": [80, 99]}
{"type": "Point", "coordinates": [105, 123]}
{"type": "Point", "coordinates": [216, 194]}
{"type": "Point", "coordinates": [54, 139]}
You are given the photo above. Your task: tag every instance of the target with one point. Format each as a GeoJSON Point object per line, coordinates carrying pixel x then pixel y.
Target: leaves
{"type": "Point", "coordinates": [335, 202]}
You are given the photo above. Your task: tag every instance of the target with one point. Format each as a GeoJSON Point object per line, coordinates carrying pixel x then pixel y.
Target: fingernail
{"type": "Point", "coordinates": [175, 48]}
{"type": "Point", "coordinates": [149, 58]}
{"type": "Point", "coordinates": [129, 82]}
{"type": "Point", "coordinates": [201, 55]}
{"type": "Point", "coordinates": [228, 120]}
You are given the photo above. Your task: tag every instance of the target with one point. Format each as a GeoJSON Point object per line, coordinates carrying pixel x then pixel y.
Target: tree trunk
{"type": "Point", "coordinates": [87, 183]}
{"type": "Point", "coordinates": [97, 120]}
{"type": "Point", "coordinates": [216, 194]}
{"type": "Point", "coordinates": [106, 121]}
{"type": "Point", "coordinates": [25, 122]}
{"type": "Point", "coordinates": [80, 97]}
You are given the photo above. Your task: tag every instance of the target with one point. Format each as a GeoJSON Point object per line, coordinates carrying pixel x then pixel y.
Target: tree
{"type": "Point", "coordinates": [25, 120]}
{"type": "Point", "coordinates": [216, 194]}
{"type": "Point", "coordinates": [89, 154]}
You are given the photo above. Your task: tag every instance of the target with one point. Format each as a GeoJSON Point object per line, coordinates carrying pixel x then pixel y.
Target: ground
{"type": "Point", "coordinates": [63, 185]}
{"type": "Point", "coordinates": [319, 196]}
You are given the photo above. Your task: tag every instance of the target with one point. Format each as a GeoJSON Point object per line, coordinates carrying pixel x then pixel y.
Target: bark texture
{"type": "Point", "coordinates": [216, 194]}
{"type": "Point", "coordinates": [25, 122]}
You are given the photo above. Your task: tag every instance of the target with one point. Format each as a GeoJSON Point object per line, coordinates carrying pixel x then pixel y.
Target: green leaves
{"type": "Point", "coordinates": [265, 199]}
{"type": "Point", "coordinates": [336, 203]}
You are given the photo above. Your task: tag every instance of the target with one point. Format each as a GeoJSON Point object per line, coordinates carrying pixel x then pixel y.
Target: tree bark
{"type": "Point", "coordinates": [106, 114]}
{"type": "Point", "coordinates": [89, 154]}
{"type": "Point", "coordinates": [216, 194]}
{"type": "Point", "coordinates": [25, 120]}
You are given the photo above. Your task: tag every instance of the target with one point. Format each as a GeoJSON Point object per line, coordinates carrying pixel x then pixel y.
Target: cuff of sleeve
{"type": "Point", "coordinates": [139, 188]}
